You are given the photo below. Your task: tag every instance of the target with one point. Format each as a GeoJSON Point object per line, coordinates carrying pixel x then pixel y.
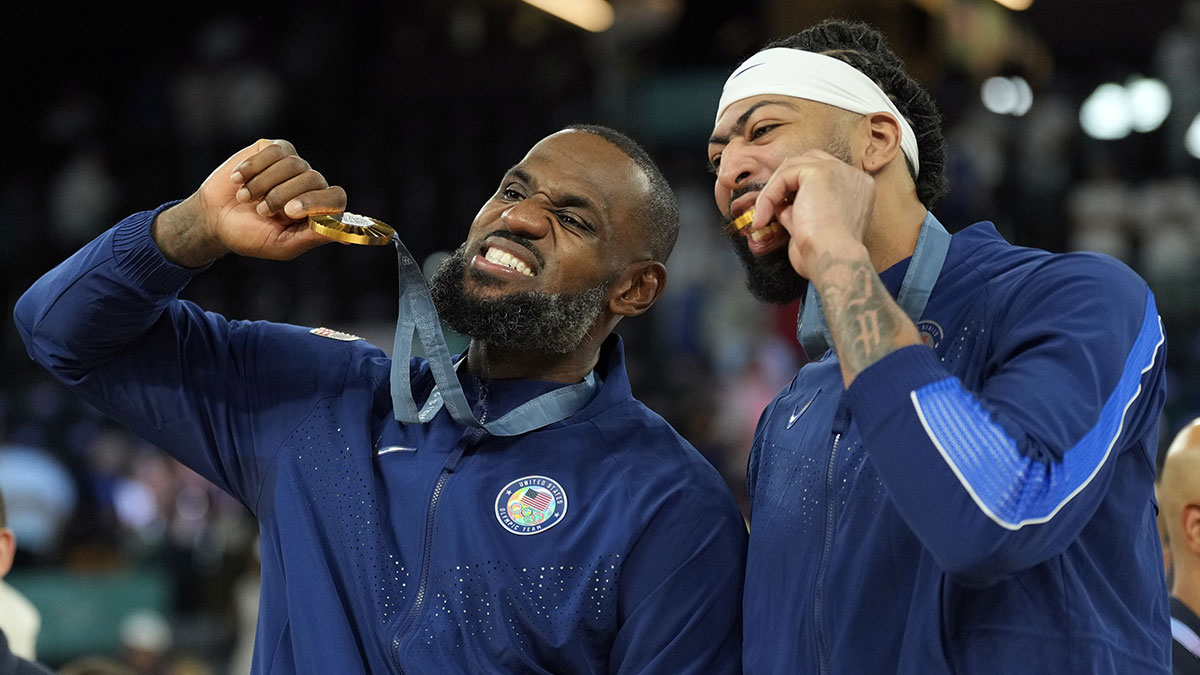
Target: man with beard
{"type": "Point", "coordinates": [962, 478]}
{"type": "Point", "coordinates": [559, 526]}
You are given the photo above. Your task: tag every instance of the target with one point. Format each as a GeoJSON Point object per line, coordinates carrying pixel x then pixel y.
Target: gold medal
{"type": "Point", "coordinates": [741, 222]}
{"type": "Point", "coordinates": [351, 228]}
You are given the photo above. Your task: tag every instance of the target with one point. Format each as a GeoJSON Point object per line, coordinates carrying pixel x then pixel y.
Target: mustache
{"type": "Point", "coordinates": [518, 239]}
{"type": "Point", "coordinates": [745, 189]}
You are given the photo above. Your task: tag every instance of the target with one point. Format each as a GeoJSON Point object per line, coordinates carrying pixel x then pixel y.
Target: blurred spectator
{"type": "Point", "coordinates": [1178, 61]}
{"type": "Point", "coordinates": [19, 619]}
{"type": "Point", "coordinates": [41, 497]}
{"type": "Point", "coordinates": [1168, 225]}
{"type": "Point", "coordinates": [83, 197]}
{"type": "Point", "coordinates": [1098, 208]}
{"type": "Point", "coordinates": [146, 642]}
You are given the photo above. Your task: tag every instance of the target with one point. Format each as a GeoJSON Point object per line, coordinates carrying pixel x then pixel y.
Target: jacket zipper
{"type": "Point", "coordinates": [469, 437]}
{"type": "Point", "coordinates": [826, 548]}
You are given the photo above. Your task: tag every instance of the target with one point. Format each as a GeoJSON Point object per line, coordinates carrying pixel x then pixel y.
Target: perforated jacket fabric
{"type": "Point", "coordinates": [603, 543]}
{"type": "Point", "coordinates": [980, 504]}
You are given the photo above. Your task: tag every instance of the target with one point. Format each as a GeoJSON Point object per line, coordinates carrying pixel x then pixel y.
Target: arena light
{"type": "Point", "coordinates": [1007, 95]}
{"type": "Point", "coordinates": [593, 15]}
{"type": "Point", "coordinates": [1149, 103]}
{"type": "Point", "coordinates": [1105, 114]}
{"type": "Point", "coordinates": [1015, 5]}
{"type": "Point", "coordinates": [1113, 111]}
{"type": "Point", "coordinates": [1192, 139]}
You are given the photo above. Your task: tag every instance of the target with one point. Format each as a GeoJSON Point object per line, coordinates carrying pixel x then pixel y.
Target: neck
{"type": "Point", "coordinates": [492, 362]}
{"type": "Point", "coordinates": [1186, 586]}
{"type": "Point", "coordinates": [895, 224]}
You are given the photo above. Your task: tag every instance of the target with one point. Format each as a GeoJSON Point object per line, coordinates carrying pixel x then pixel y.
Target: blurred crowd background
{"type": "Point", "coordinates": [417, 108]}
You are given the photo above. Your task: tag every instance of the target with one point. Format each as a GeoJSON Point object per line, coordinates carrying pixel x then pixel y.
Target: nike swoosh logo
{"type": "Point", "coordinates": [388, 449]}
{"type": "Point", "coordinates": [743, 70]}
{"type": "Point", "coordinates": [800, 411]}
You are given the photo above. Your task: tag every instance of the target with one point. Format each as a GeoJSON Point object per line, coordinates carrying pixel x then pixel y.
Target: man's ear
{"type": "Point", "coordinates": [8, 549]}
{"type": "Point", "coordinates": [637, 289]}
{"type": "Point", "coordinates": [883, 141]}
{"type": "Point", "coordinates": [1189, 515]}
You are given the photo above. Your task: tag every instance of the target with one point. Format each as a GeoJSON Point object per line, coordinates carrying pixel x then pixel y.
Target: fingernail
{"type": "Point", "coordinates": [236, 176]}
{"type": "Point", "coordinates": [292, 208]}
{"type": "Point", "coordinates": [243, 195]}
{"type": "Point", "coordinates": [263, 209]}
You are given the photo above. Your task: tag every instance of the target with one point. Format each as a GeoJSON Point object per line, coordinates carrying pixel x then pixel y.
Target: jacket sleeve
{"type": "Point", "coordinates": [107, 322]}
{"type": "Point", "coordinates": [1002, 477]}
{"type": "Point", "coordinates": [681, 587]}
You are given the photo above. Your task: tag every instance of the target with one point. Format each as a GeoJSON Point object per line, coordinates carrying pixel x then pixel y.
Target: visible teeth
{"type": "Point", "coordinates": [759, 235]}
{"type": "Point", "coordinates": [499, 257]}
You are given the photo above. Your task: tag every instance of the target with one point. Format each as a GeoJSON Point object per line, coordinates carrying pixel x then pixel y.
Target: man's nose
{"type": "Point", "coordinates": [530, 217]}
{"type": "Point", "coordinates": [736, 168]}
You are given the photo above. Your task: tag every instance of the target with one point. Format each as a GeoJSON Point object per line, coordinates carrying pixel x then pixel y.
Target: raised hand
{"type": "Point", "coordinates": [255, 204]}
{"type": "Point", "coordinates": [825, 205]}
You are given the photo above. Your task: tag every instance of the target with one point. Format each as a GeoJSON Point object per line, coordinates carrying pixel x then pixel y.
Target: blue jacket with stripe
{"type": "Point", "coordinates": [408, 548]}
{"type": "Point", "coordinates": [984, 506]}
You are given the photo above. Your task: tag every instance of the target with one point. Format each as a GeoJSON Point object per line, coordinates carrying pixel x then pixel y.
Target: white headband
{"type": "Point", "coordinates": [815, 77]}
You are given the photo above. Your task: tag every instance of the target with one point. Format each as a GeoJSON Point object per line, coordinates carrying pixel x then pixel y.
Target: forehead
{"type": "Point", "coordinates": [582, 164]}
{"type": "Point", "coordinates": [738, 113]}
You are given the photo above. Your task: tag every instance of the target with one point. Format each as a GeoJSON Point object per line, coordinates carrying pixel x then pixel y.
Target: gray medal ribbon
{"type": "Point", "coordinates": [927, 259]}
{"type": "Point", "coordinates": [417, 313]}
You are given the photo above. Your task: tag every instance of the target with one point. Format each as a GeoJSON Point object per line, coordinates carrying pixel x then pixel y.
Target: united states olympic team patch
{"type": "Point", "coordinates": [931, 333]}
{"type": "Point", "coordinates": [531, 504]}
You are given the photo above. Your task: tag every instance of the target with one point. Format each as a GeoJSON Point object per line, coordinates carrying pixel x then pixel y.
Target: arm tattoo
{"type": "Point", "coordinates": [865, 321]}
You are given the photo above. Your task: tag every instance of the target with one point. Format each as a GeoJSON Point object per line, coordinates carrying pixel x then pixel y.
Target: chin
{"type": "Point", "coordinates": [480, 279]}
{"type": "Point", "coordinates": [770, 277]}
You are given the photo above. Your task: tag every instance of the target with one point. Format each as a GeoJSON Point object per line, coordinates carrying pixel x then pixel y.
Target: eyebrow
{"type": "Point", "coordinates": [740, 124]}
{"type": "Point", "coordinates": [564, 201]}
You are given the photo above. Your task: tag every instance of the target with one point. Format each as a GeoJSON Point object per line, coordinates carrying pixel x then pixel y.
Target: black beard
{"type": "Point", "coordinates": [770, 278]}
{"type": "Point", "coordinates": [527, 321]}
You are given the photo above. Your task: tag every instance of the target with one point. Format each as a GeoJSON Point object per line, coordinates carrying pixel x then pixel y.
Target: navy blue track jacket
{"type": "Point", "coordinates": [603, 543]}
{"type": "Point", "coordinates": [984, 506]}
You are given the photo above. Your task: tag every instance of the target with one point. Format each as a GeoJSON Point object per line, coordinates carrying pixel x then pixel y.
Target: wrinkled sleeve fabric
{"type": "Point", "coordinates": [108, 323]}
{"type": "Point", "coordinates": [681, 588]}
{"type": "Point", "coordinates": [1001, 478]}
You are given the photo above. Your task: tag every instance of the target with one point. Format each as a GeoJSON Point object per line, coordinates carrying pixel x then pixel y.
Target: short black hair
{"type": "Point", "coordinates": [866, 49]}
{"type": "Point", "coordinates": [659, 212]}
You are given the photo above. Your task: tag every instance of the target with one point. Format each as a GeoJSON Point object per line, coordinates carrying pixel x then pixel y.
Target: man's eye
{"type": "Point", "coordinates": [511, 194]}
{"type": "Point", "coordinates": [571, 221]}
{"type": "Point", "coordinates": [714, 164]}
{"type": "Point", "coordinates": [760, 131]}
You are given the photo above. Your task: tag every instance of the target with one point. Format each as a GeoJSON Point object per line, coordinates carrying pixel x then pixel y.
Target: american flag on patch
{"type": "Point", "coordinates": [536, 499]}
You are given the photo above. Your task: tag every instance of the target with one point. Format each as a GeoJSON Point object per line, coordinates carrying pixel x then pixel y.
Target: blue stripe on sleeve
{"type": "Point", "coordinates": [1014, 490]}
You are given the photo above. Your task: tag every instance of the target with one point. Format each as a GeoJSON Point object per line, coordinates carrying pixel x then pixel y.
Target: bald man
{"type": "Point", "coordinates": [16, 614]}
{"type": "Point", "coordinates": [1179, 502]}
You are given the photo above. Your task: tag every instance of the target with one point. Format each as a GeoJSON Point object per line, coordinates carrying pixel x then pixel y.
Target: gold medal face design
{"type": "Point", "coordinates": [351, 228]}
